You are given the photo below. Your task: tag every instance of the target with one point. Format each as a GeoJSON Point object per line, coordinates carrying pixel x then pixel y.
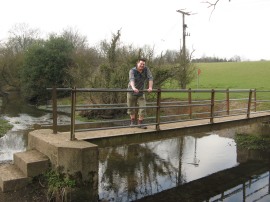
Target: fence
{"type": "Point", "coordinates": [191, 105]}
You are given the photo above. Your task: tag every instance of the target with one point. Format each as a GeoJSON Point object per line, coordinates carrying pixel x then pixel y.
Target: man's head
{"type": "Point", "coordinates": [141, 64]}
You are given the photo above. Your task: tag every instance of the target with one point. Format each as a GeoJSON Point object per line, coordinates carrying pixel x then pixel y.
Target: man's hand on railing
{"type": "Point", "coordinates": [135, 90]}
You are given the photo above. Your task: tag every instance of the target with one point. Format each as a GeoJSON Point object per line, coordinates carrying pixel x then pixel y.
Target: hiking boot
{"type": "Point", "coordinates": [140, 125]}
{"type": "Point", "coordinates": [132, 123]}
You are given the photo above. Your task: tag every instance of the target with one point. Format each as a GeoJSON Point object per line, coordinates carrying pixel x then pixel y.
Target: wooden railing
{"type": "Point", "coordinates": [191, 105]}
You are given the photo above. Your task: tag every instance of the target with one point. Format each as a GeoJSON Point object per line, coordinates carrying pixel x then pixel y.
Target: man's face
{"type": "Point", "coordinates": [140, 65]}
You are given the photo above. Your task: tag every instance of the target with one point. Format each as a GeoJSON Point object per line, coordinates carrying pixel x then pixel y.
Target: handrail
{"type": "Point", "coordinates": [199, 108]}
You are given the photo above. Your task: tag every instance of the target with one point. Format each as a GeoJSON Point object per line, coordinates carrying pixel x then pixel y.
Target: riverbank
{"type": "Point", "coordinates": [253, 142]}
{"type": "Point", "coordinates": [5, 126]}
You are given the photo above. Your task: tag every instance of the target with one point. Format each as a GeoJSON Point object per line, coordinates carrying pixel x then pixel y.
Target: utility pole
{"type": "Point", "coordinates": [184, 31]}
{"type": "Point", "coordinates": [183, 63]}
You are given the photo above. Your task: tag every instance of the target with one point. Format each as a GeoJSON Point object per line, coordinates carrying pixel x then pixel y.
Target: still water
{"type": "Point", "coordinates": [190, 167]}
{"type": "Point", "coordinates": [132, 172]}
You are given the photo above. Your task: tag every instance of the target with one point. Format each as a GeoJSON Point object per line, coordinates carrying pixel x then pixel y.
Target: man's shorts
{"type": "Point", "coordinates": [134, 101]}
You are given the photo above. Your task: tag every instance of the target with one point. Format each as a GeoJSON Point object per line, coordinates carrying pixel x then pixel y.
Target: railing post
{"type": "Point", "coordinates": [228, 101]}
{"type": "Point", "coordinates": [189, 102]}
{"type": "Point", "coordinates": [72, 119]}
{"type": "Point", "coordinates": [249, 103]}
{"type": "Point", "coordinates": [255, 100]}
{"type": "Point", "coordinates": [54, 110]}
{"type": "Point", "coordinates": [212, 106]}
{"type": "Point", "coordinates": [158, 110]}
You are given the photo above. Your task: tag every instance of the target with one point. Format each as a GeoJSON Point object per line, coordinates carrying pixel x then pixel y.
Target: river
{"type": "Point", "coordinates": [192, 167]}
{"type": "Point", "coordinates": [23, 118]}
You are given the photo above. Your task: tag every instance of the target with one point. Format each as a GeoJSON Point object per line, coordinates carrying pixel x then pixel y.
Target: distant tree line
{"type": "Point", "coordinates": [30, 64]}
{"type": "Point", "coordinates": [205, 59]}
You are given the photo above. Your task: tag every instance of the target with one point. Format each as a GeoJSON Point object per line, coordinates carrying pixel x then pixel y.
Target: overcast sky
{"type": "Point", "coordinates": [239, 27]}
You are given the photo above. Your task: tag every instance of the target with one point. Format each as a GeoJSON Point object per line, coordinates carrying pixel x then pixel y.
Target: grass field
{"type": "Point", "coordinates": [235, 75]}
{"type": "Point", "coordinates": [231, 75]}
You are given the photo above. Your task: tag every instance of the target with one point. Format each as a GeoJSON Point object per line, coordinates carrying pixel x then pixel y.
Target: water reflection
{"type": "Point", "coordinates": [255, 189]}
{"type": "Point", "coordinates": [131, 172]}
{"type": "Point", "coordinates": [13, 105]}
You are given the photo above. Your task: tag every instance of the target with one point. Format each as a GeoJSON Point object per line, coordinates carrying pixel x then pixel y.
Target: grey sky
{"type": "Point", "coordinates": [238, 27]}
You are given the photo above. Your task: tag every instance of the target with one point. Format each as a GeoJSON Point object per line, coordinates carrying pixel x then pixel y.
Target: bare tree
{"type": "Point", "coordinates": [77, 40]}
{"type": "Point", "coordinates": [12, 54]}
{"type": "Point", "coordinates": [184, 72]}
{"type": "Point", "coordinates": [86, 59]}
{"type": "Point", "coordinates": [21, 36]}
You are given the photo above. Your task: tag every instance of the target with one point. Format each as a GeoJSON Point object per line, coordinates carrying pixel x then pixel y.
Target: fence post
{"type": "Point", "coordinates": [228, 101]}
{"type": "Point", "coordinates": [72, 119]}
{"type": "Point", "coordinates": [54, 110]}
{"type": "Point", "coordinates": [255, 100]}
{"type": "Point", "coordinates": [189, 102]}
{"type": "Point", "coordinates": [158, 109]}
{"type": "Point", "coordinates": [212, 106]}
{"type": "Point", "coordinates": [249, 103]}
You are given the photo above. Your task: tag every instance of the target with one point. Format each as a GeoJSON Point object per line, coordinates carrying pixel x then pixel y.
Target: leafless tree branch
{"type": "Point", "coordinates": [212, 5]}
{"type": "Point", "coordinates": [191, 54]}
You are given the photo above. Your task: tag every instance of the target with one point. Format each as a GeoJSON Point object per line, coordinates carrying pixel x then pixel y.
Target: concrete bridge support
{"type": "Point", "coordinates": [77, 158]}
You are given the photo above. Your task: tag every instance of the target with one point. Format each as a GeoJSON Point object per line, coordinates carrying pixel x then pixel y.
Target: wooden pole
{"type": "Point", "coordinates": [190, 102]}
{"type": "Point", "coordinates": [249, 103]}
{"type": "Point", "coordinates": [54, 103]}
{"type": "Point", "coordinates": [72, 120]}
{"type": "Point", "coordinates": [212, 106]}
{"type": "Point", "coordinates": [158, 110]}
{"type": "Point", "coordinates": [228, 101]}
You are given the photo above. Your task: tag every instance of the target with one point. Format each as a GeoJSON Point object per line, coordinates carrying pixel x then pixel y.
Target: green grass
{"type": "Point", "coordinates": [59, 184]}
{"type": "Point", "coordinates": [230, 75]}
{"type": "Point", "coordinates": [253, 142]}
{"type": "Point", "coordinates": [234, 75]}
{"type": "Point", "coordinates": [4, 127]}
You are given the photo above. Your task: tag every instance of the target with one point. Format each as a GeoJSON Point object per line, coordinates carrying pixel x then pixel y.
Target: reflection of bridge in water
{"type": "Point", "coordinates": [213, 156]}
{"type": "Point", "coordinates": [247, 182]}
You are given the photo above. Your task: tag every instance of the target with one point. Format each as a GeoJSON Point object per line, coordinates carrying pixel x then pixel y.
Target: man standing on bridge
{"type": "Point", "coordinates": [137, 78]}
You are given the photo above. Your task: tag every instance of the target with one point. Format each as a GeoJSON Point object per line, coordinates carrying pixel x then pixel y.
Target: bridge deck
{"type": "Point", "coordinates": [90, 135]}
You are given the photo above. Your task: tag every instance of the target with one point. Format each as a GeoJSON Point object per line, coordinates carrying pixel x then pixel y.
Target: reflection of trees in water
{"type": "Point", "coordinates": [134, 171]}
{"type": "Point", "coordinates": [13, 105]}
{"type": "Point", "coordinates": [180, 145]}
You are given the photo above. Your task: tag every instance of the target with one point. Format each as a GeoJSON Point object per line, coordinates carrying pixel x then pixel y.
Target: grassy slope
{"type": "Point", "coordinates": [240, 75]}
{"type": "Point", "coordinates": [231, 75]}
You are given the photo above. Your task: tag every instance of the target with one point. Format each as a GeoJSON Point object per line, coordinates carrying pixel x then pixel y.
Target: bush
{"type": "Point", "coordinates": [59, 185]}
{"type": "Point", "coordinates": [46, 65]}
